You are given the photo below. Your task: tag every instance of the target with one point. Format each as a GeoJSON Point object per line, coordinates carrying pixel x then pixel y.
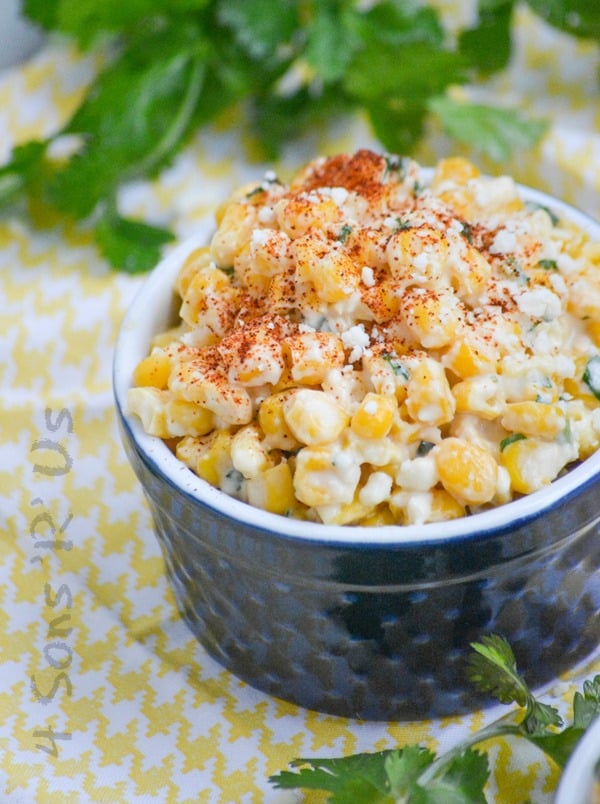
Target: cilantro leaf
{"type": "Point", "coordinates": [331, 40]}
{"type": "Point", "coordinates": [578, 17]}
{"type": "Point", "coordinates": [87, 20]}
{"type": "Point", "coordinates": [356, 779]}
{"type": "Point", "coordinates": [132, 245]}
{"type": "Point", "coordinates": [586, 705]}
{"type": "Point", "coordinates": [276, 119]}
{"type": "Point", "coordinates": [462, 780]}
{"type": "Point", "coordinates": [495, 131]}
{"type": "Point", "coordinates": [131, 123]}
{"type": "Point", "coordinates": [493, 668]}
{"type": "Point", "coordinates": [488, 46]}
{"type": "Point", "coordinates": [259, 26]}
{"type": "Point", "coordinates": [416, 71]}
{"type": "Point", "coordinates": [21, 170]}
{"type": "Point", "coordinates": [172, 68]}
{"type": "Point", "coordinates": [399, 24]}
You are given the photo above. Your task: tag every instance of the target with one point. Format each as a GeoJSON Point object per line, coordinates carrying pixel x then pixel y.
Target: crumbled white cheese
{"type": "Point", "coordinates": [357, 340]}
{"type": "Point", "coordinates": [540, 303]}
{"type": "Point", "coordinates": [367, 276]}
{"type": "Point", "coordinates": [505, 242]}
{"type": "Point", "coordinates": [261, 237]}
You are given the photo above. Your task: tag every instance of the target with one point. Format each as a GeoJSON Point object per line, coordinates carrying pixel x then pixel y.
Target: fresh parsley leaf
{"type": "Point", "coordinates": [586, 705]}
{"type": "Point", "coordinates": [399, 24]}
{"type": "Point", "coordinates": [133, 245]}
{"type": "Point", "coordinates": [344, 233]}
{"type": "Point", "coordinates": [87, 20]}
{"type": "Point", "coordinates": [398, 368]}
{"type": "Point", "coordinates": [408, 75]}
{"type": "Point", "coordinates": [494, 131]}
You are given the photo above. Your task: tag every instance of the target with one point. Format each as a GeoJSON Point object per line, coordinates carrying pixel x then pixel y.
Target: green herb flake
{"type": "Point", "coordinates": [547, 265]}
{"type": "Point", "coordinates": [402, 225]}
{"type": "Point", "coordinates": [534, 206]}
{"type": "Point", "coordinates": [424, 448]}
{"type": "Point", "coordinates": [344, 233]}
{"type": "Point", "coordinates": [395, 164]}
{"type": "Point", "coordinates": [397, 367]}
{"type": "Point", "coordinates": [511, 439]}
{"type": "Point", "coordinates": [467, 232]}
{"type": "Point", "coordinates": [591, 375]}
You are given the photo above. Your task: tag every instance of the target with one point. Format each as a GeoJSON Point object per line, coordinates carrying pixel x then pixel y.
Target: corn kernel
{"type": "Point", "coordinates": [196, 261]}
{"type": "Point", "coordinates": [314, 417]}
{"type": "Point", "coordinates": [213, 460]}
{"type": "Point", "coordinates": [593, 329]}
{"type": "Point", "coordinates": [325, 475]}
{"type": "Point", "coordinates": [332, 272]}
{"type": "Point", "coordinates": [375, 416]}
{"type": "Point", "coordinates": [534, 418]}
{"type": "Point", "coordinates": [469, 358]}
{"type": "Point", "coordinates": [444, 506]}
{"type": "Point", "coordinates": [467, 472]}
{"type": "Point", "coordinates": [479, 395]}
{"type": "Point", "coordinates": [313, 355]}
{"type": "Point", "coordinates": [248, 455]}
{"type": "Point", "coordinates": [235, 229]}
{"type": "Point", "coordinates": [345, 513]}
{"type": "Point", "coordinates": [273, 489]}
{"type": "Point", "coordinates": [188, 418]}
{"type": "Point", "coordinates": [432, 317]}
{"type": "Point", "coordinates": [454, 169]}
{"type": "Point", "coordinates": [149, 405]}
{"type": "Point", "coordinates": [378, 518]}
{"type": "Point", "coordinates": [533, 463]}
{"type": "Point", "coordinates": [153, 370]}
{"type": "Point", "coordinates": [428, 396]}
{"type": "Point", "coordinates": [272, 422]}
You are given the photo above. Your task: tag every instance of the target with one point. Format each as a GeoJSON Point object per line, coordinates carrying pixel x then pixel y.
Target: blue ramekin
{"type": "Point", "coordinates": [371, 623]}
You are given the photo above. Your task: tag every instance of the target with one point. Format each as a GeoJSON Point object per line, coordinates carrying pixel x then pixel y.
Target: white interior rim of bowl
{"type": "Point", "coordinates": [148, 314]}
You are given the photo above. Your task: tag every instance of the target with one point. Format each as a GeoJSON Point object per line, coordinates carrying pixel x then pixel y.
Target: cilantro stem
{"type": "Point", "coordinates": [508, 725]}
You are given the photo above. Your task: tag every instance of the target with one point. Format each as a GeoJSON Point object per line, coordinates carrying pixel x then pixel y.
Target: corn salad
{"type": "Point", "coordinates": [377, 344]}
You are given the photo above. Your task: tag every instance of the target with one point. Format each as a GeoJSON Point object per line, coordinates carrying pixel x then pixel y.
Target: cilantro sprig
{"type": "Point", "coordinates": [415, 775]}
{"type": "Point", "coordinates": [172, 68]}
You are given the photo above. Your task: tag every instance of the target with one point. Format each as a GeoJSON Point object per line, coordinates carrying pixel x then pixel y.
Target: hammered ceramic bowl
{"type": "Point", "coordinates": [373, 623]}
